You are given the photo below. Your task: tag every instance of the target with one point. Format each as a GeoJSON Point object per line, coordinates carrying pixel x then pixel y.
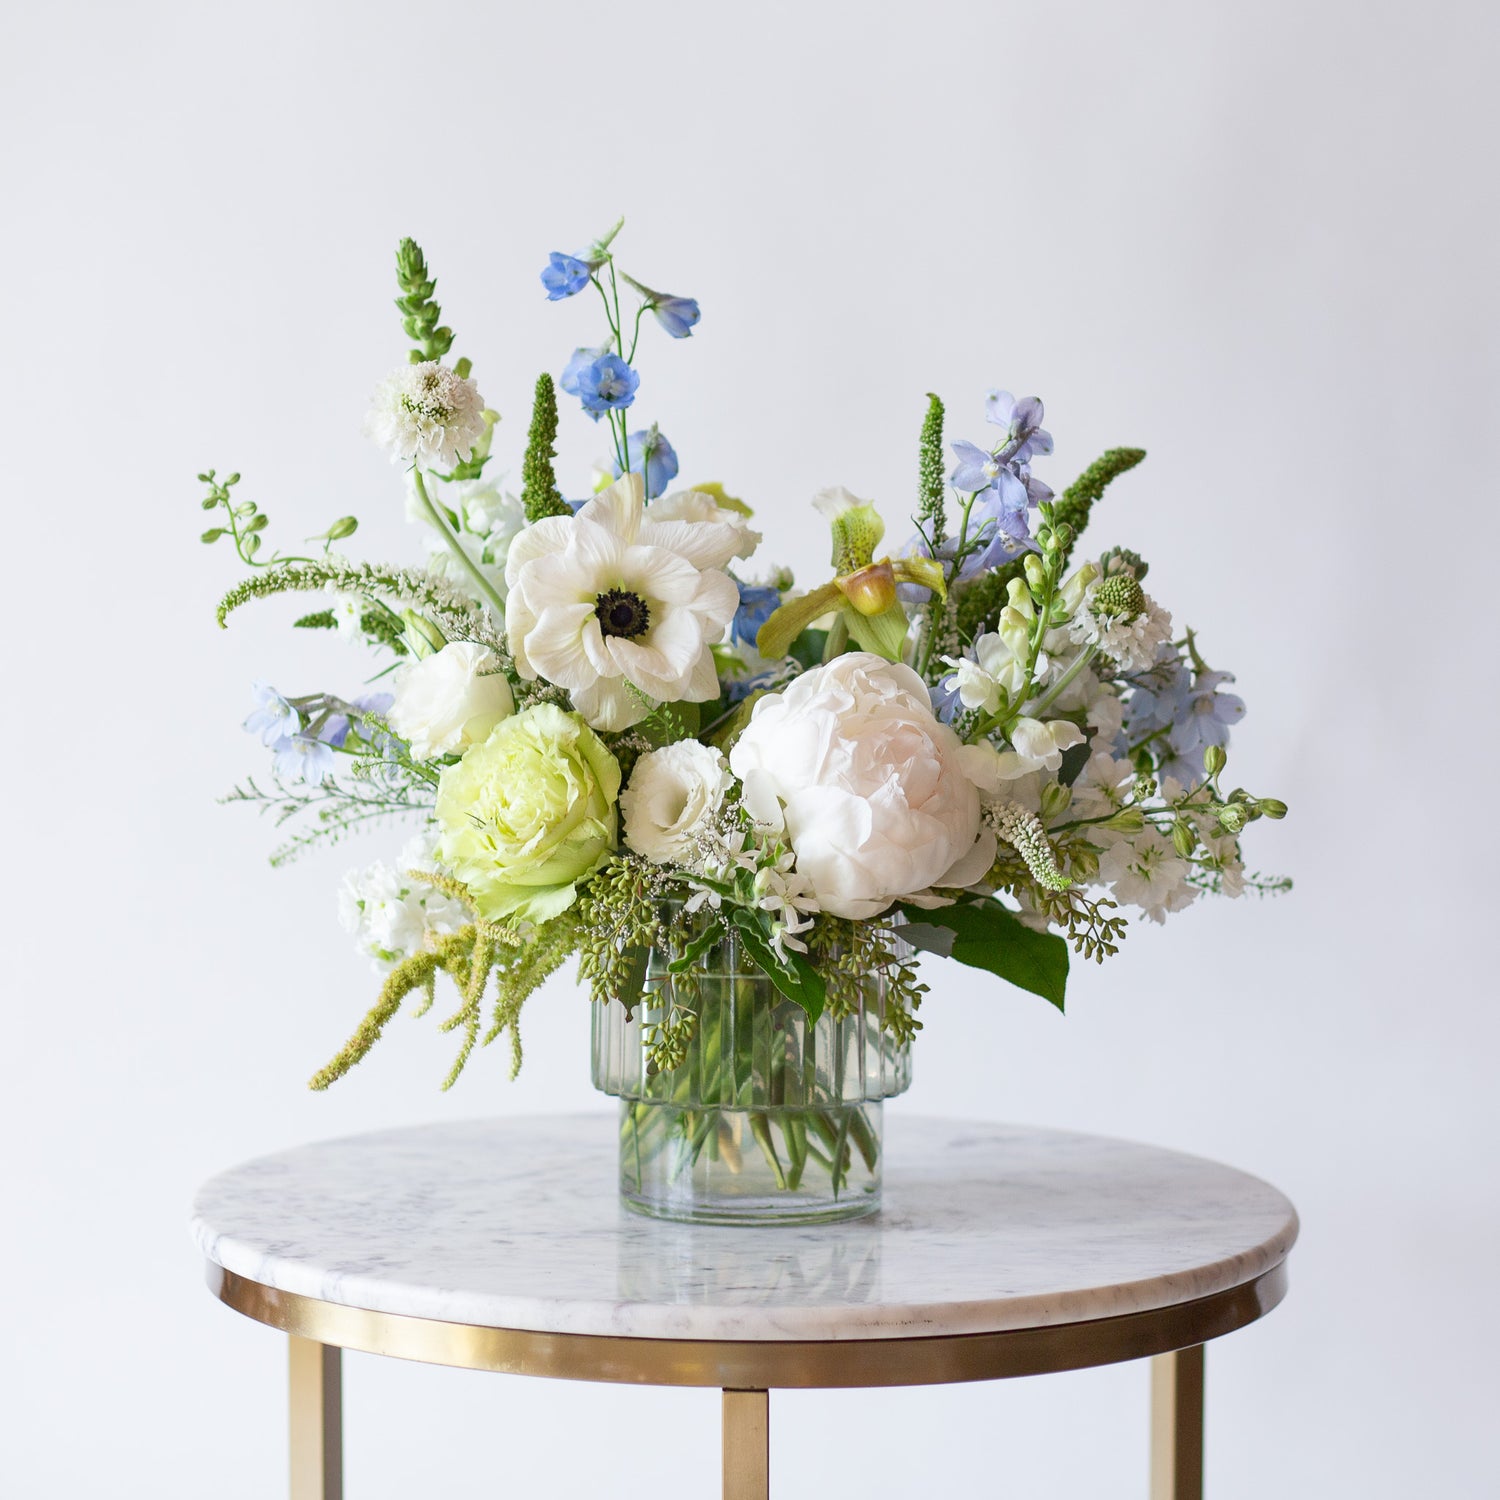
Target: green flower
{"type": "Point", "coordinates": [528, 812]}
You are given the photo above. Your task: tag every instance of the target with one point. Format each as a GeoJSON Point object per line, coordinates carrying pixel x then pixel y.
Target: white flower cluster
{"type": "Point", "coordinates": [390, 915]}
{"type": "Point", "coordinates": [426, 414]}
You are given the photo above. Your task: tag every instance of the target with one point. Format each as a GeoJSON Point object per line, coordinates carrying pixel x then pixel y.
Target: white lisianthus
{"type": "Point", "coordinates": [620, 609]}
{"type": "Point", "coordinates": [449, 700]}
{"type": "Point", "coordinates": [426, 414]}
{"type": "Point", "coordinates": [1036, 747]}
{"type": "Point", "coordinates": [695, 505]}
{"type": "Point", "coordinates": [867, 784]}
{"type": "Point", "coordinates": [1123, 621]}
{"type": "Point", "coordinates": [674, 795]}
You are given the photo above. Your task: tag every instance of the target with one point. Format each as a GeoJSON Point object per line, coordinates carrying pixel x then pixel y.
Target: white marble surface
{"type": "Point", "coordinates": [515, 1223]}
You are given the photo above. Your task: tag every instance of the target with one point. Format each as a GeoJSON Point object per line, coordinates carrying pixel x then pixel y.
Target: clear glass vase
{"type": "Point", "coordinates": [769, 1118]}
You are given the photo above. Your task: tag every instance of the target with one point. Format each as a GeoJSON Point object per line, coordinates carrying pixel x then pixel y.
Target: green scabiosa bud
{"type": "Point", "coordinates": [1119, 597]}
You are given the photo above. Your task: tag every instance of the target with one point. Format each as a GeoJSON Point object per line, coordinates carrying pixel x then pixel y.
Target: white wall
{"type": "Point", "coordinates": [1258, 240]}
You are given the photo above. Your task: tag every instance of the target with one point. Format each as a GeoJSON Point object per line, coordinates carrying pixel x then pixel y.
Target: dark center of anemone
{"type": "Point", "coordinates": [620, 612]}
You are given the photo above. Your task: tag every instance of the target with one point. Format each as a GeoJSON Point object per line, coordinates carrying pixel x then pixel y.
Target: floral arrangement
{"type": "Point", "coordinates": [611, 739]}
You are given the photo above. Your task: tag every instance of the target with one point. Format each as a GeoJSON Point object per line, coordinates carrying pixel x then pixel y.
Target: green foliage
{"type": "Point", "coordinates": [419, 312]}
{"type": "Point", "coordinates": [377, 625]}
{"type": "Point", "coordinates": [1077, 502]}
{"type": "Point", "coordinates": [985, 935]}
{"type": "Point", "coordinates": [539, 492]}
{"type": "Point", "coordinates": [932, 481]}
{"type": "Point", "coordinates": [848, 954]}
{"type": "Point", "coordinates": [619, 921]}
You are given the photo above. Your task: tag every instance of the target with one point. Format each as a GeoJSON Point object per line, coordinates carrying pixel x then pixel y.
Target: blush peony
{"type": "Point", "coordinates": [867, 784]}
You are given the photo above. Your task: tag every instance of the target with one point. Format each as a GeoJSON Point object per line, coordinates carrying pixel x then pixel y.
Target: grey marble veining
{"type": "Point", "coordinates": [515, 1223]}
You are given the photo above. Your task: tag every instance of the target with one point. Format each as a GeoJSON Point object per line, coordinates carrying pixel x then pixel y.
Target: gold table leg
{"type": "Point", "coordinates": [747, 1445]}
{"type": "Point", "coordinates": [316, 1426]}
{"type": "Point", "coordinates": [1177, 1425]}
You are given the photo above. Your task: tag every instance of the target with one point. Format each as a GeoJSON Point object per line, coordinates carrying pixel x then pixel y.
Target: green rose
{"type": "Point", "coordinates": [529, 812]}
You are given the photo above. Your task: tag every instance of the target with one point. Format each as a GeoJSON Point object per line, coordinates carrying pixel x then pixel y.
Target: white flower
{"type": "Point", "coordinates": [618, 608]}
{"type": "Point", "coordinates": [1037, 747]}
{"type": "Point", "coordinates": [426, 414]}
{"type": "Point", "coordinates": [449, 700]}
{"type": "Point", "coordinates": [348, 611]}
{"type": "Point", "coordinates": [1143, 870]}
{"type": "Point", "coordinates": [674, 795]}
{"type": "Point", "coordinates": [1129, 638]}
{"type": "Point", "coordinates": [390, 915]}
{"type": "Point", "coordinates": [867, 783]}
{"type": "Point", "coordinates": [695, 505]}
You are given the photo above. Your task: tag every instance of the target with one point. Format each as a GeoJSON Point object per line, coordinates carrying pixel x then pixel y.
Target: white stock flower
{"type": "Point", "coordinates": [1142, 869]}
{"type": "Point", "coordinates": [390, 915]}
{"type": "Point", "coordinates": [867, 784]}
{"type": "Point", "coordinates": [426, 414]}
{"type": "Point", "coordinates": [618, 608]}
{"type": "Point", "coordinates": [449, 700]}
{"type": "Point", "coordinates": [674, 795]}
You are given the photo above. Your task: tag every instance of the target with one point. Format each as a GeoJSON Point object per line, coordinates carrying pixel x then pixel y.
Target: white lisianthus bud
{"type": "Point", "coordinates": [449, 700]}
{"type": "Point", "coordinates": [674, 795]}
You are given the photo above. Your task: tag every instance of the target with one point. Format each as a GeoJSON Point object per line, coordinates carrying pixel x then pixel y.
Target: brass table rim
{"type": "Point", "coordinates": [758, 1364]}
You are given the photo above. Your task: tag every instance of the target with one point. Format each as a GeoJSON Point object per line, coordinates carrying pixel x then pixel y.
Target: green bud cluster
{"type": "Point", "coordinates": [1119, 597]}
{"type": "Point", "coordinates": [931, 473]}
{"type": "Point", "coordinates": [419, 313]}
{"type": "Point", "coordinates": [539, 493]}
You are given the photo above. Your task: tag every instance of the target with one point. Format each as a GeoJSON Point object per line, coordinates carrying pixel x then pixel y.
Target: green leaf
{"type": "Point", "coordinates": [807, 649]}
{"type": "Point", "coordinates": [668, 723]}
{"type": "Point", "coordinates": [632, 979]}
{"type": "Point", "coordinates": [796, 979]}
{"type": "Point", "coordinates": [1074, 759]}
{"type": "Point", "coordinates": [985, 935]}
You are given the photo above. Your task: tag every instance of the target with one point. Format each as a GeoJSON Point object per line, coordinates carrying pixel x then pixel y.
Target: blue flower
{"type": "Point", "coordinates": [608, 384]}
{"type": "Point", "coordinates": [658, 455]}
{"type": "Point", "coordinates": [677, 315]}
{"type": "Point", "coordinates": [579, 362]}
{"type": "Point", "coordinates": [273, 718]}
{"type": "Point", "coordinates": [758, 602]}
{"type": "Point", "coordinates": [303, 758]}
{"type": "Point", "coordinates": [1025, 437]}
{"type": "Point", "coordinates": [336, 729]}
{"type": "Point", "coordinates": [565, 275]}
{"type": "Point", "coordinates": [978, 470]}
{"type": "Point", "coordinates": [1204, 717]}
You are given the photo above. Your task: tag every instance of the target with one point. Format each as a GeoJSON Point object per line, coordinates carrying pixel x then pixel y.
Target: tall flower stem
{"type": "Point", "coordinates": [1057, 689]}
{"type": "Point", "coordinates": [456, 547]}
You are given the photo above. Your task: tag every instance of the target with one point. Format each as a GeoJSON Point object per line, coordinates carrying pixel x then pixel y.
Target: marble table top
{"type": "Point", "coordinates": [515, 1223]}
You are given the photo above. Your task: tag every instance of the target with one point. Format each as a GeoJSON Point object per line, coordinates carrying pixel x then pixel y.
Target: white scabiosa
{"type": "Point", "coordinates": [674, 796]}
{"type": "Point", "coordinates": [620, 609]}
{"type": "Point", "coordinates": [426, 414]}
{"type": "Point", "coordinates": [1119, 617]}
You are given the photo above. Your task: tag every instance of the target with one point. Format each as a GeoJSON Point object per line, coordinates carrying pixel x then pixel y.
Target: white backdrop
{"type": "Point", "coordinates": [1257, 240]}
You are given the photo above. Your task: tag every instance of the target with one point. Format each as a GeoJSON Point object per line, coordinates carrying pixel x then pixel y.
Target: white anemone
{"type": "Point", "coordinates": [618, 608]}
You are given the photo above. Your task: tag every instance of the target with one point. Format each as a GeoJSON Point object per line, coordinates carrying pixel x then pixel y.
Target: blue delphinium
{"type": "Point", "coordinates": [608, 384]}
{"type": "Point", "coordinates": [653, 457]}
{"type": "Point", "coordinates": [1025, 437]}
{"type": "Point", "coordinates": [580, 361]}
{"type": "Point", "coordinates": [273, 718]}
{"type": "Point", "coordinates": [336, 728]}
{"type": "Point", "coordinates": [758, 602]}
{"type": "Point", "coordinates": [301, 757]}
{"type": "Point", "coordinates": [677, 315]}
{"type": "Point", "coordinates": [565, 275]}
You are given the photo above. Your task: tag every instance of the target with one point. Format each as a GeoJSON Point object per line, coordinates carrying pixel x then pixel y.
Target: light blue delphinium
{"type": "Point", "coordinates": [1205, 716]}
{"type": "Point", "coordinates": [303, 758]}
{"type": "Point", "coordinates": [336, 730]}
{"type": "Point", "coordinates": [653, 457]}
{"type": "Point", "coordinates": [608, 384]}
{"type": "Point", "coordinates": [677, 315]}
{"type": "Point", "coordinates": [580, 361]}
{"type": "Point", "coordinates": [758, 602]}
{"type": "Point", "coordinates": [1025, 437]}
{"type": "Point", "coordinates": [565, 275]}
{"type": "Point", "coordinates": [273, 718]}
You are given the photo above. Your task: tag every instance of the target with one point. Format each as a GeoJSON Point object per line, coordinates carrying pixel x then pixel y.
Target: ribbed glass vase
{"type": "Point", "coordinates": [769, 1118]}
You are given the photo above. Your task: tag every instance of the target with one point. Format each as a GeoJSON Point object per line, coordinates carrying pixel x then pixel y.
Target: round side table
{"type": "Point", "coordinates": [501, 1245]}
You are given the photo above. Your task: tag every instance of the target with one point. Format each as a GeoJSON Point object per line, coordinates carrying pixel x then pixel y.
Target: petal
{"type": "Point", "coordinates": [547, 535]}
{"type": "Point", "coordinates": [618, 509]}
{"type": "Point", "coordinates": [610, 704]}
